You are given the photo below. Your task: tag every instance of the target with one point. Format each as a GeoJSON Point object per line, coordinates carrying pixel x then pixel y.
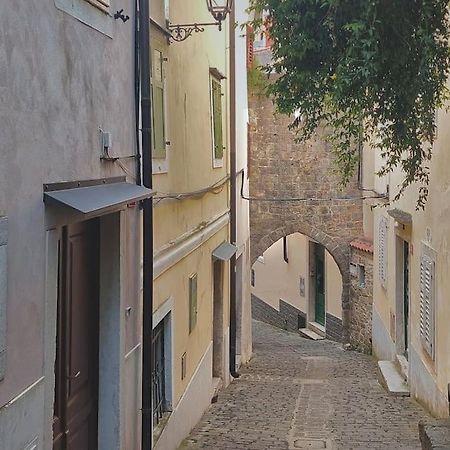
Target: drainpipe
{"type": "Point", "coordinates": [233, 199]}
{"type": "Point", "coordinates": [137, 84]}
{"type": "Point", "coordinates": [147, 310]}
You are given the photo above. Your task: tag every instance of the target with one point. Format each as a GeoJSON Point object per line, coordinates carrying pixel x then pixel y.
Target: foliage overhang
{"type": "Point", "coordinates": [370, 70]}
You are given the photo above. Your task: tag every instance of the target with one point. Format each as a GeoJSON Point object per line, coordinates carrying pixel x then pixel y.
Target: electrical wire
{"type": "Point", "coordinates": [300, 199]}
{"type": "Point", "coordinates": [127, 171]}
{"type": "Point", "coordinates": [215, 188]}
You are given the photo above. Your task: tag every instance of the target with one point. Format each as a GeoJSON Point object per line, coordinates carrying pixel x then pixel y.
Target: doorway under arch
{"type": "Point", "coordinates": [301, 280]}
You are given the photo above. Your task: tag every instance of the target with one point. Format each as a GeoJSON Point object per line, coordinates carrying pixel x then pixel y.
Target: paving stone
{"type": "Point", "coordinates": [295, 390]}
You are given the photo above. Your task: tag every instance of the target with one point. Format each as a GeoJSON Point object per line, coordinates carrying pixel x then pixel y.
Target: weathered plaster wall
{"type": "Point", "coordinates": [277, 279]}
{"type": "Point", "coordinates": [60, 81]}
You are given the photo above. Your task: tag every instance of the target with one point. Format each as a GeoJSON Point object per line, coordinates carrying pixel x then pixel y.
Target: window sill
{"type": "Point", "coordinates": [160, 166]}
{"type": "Point", "coordinates": [217, 163]}
{"type": "Point", "coordinates": [89, 14]}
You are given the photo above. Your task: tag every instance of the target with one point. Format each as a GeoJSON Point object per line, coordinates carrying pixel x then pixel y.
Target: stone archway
{"type": "Point", "coordinates": [340, 251]}
{"type": "Point", "coordinates": [281, 168]}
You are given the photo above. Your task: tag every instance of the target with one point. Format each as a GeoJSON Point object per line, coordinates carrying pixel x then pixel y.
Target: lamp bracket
{"type": "Point", "coordinates": [180, 32]}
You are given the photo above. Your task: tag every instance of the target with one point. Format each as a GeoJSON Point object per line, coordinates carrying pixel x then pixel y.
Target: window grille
{"type": "Point", "coordinates": [159, 375]}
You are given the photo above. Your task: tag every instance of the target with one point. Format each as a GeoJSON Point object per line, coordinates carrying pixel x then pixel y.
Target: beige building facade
{"type": "Point", "coordinates": [411, 279]}
{"type": "Point", "coordinates": [295, 284]}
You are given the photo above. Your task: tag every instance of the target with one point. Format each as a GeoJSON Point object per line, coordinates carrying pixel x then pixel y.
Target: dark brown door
{"type": "Point", "coordinates": [76, 368]}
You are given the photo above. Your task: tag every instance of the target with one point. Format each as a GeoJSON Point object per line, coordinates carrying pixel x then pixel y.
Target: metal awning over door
{"type": "Point", "coordinates": [95, 197]}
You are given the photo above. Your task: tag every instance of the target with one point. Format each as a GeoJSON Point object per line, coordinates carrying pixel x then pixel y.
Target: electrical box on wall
{"type": "Point", "coordinates": [106, 141]}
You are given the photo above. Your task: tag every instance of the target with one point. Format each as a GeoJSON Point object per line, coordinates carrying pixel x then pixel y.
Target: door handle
{"type": "Point", "coordinates": [72, 377]}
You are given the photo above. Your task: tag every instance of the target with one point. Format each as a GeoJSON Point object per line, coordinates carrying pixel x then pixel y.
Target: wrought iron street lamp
{"type": "Point", "coordinates": [219, 9]}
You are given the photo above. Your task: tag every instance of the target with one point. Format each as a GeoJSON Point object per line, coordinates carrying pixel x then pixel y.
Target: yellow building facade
{"type": "Point", "coordinates": [191, 176]}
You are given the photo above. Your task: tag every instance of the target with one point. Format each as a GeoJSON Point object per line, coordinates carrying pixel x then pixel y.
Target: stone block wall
{"type": "Point", "coordinates": [287, 318]}
{"type": "Point", "coordinates": [333, 328]}
{"type": "Point", "coordinates": [280, 169]}
{"type": "Point", "coordinates": [361, 297]}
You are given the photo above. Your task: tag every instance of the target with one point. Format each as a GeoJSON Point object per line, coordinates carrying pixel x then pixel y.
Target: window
{"type": "Point", "coordinates": [158, 106]}
{"type": "Point", "coordinates": [382, 251]}
{"type": "Point", "coordinates": [426, 323]}
{"type": "Point", "coordinates": [361, 276]}
{"type": "Point", "coordinates": [159, 373]}
{"type": "Point", "coordinates": [101, 4]}
{"type": "Point", "coordinates": [96, 14]}
{"type": "Point", "coordinates": [217, 122]}
{"type": "Point", "coordinates": [159, 11]}
{"type": "Point", "coordinates": [285, 249]}
{"type": "Point", "coordinates": [192, 302]}
{"type": "Point", "coordinates": [183, 366]}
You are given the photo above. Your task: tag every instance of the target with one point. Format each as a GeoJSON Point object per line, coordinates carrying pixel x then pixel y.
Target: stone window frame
{"type": "Point", "coordinates": [95, 14]}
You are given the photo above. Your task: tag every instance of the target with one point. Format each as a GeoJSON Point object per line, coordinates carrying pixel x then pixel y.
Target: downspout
{"type": "Point", "coordinates": [233, 199]}
{"type": "Point", "coordinates": [137, 82]}
{"type": "Point", "coordinates": [147, 309]}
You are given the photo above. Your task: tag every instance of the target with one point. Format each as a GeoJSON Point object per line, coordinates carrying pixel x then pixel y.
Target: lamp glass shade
{"type": "Point", "coordinates": [219, 8]}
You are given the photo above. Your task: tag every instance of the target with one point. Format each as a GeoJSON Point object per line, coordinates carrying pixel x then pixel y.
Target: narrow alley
{"type": "Point", "coordinates": [297, 393]}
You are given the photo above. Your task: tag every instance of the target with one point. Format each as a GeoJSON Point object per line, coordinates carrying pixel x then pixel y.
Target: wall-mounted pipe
{"type": "Point", "coordinates": [147, 310]}
{"type": "Point", "coordinates": [233, 196]}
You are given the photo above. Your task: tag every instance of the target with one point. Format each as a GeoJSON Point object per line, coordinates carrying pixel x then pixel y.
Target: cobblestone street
{"type": "Point", "coordinates": [297, 393]}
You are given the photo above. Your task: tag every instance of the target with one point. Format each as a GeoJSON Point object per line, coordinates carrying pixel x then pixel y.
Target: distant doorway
{"type": "Point", "coordinates": [402, 303]}
{"type": "Point", "coordinates": [319, 284]}
{"type": "Point", "coordinates": [75, 421]}
{"type": "Point", "coordinates": [218, 351]}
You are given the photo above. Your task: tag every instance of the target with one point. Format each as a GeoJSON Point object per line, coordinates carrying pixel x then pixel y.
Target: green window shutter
{"type": "Point", "coordinates": [158, 107]}
{"type": "Point", "coordinates": [217, 119]}
{"type": "Point", "coordinates": [192, 302]}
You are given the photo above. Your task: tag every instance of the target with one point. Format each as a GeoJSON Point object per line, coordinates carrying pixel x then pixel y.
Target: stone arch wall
{"type": "Point", "coordinates": [280, 167]}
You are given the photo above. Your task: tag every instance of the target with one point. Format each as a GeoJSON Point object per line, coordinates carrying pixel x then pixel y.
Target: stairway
{"type": "Point", "coordinates": [394, 376]}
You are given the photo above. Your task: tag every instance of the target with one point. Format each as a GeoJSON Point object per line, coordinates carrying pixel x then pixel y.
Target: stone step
{"type": "Point", "coordinates": [403, 365]}
{"type": "Point", "coordinates": [317, 328]}
{"type": "Point", "coordinates": [434, 434]}
{"type": "Point", "coordinates": [391, 379]}
{"type": "Point", "coordinates": [309, 334]}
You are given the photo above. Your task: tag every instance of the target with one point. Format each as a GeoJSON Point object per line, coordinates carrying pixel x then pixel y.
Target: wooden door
{"type": "Point", "coordinates": [218, 350]}
{"type": "Point", "coordinates": [76, 368]}
{"type": "Point", "coordinates": [406, 294]}
{"type": "Point", "coordinates": [319, 257]}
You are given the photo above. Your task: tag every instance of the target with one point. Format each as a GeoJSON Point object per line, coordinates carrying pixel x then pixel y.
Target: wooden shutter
{"type": "Point", "coordinates": [217, 119]}
{"type": "Point", "coordinates": [101, 4]}
{"type": "Point", "coordinates": [192, 302]}
{"type": "Point", "coordinates": [426, 322]}
{"type": "Point", "coordinates": [158, 106]}
{"type": "Point", "coordinates": [382, 251]}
